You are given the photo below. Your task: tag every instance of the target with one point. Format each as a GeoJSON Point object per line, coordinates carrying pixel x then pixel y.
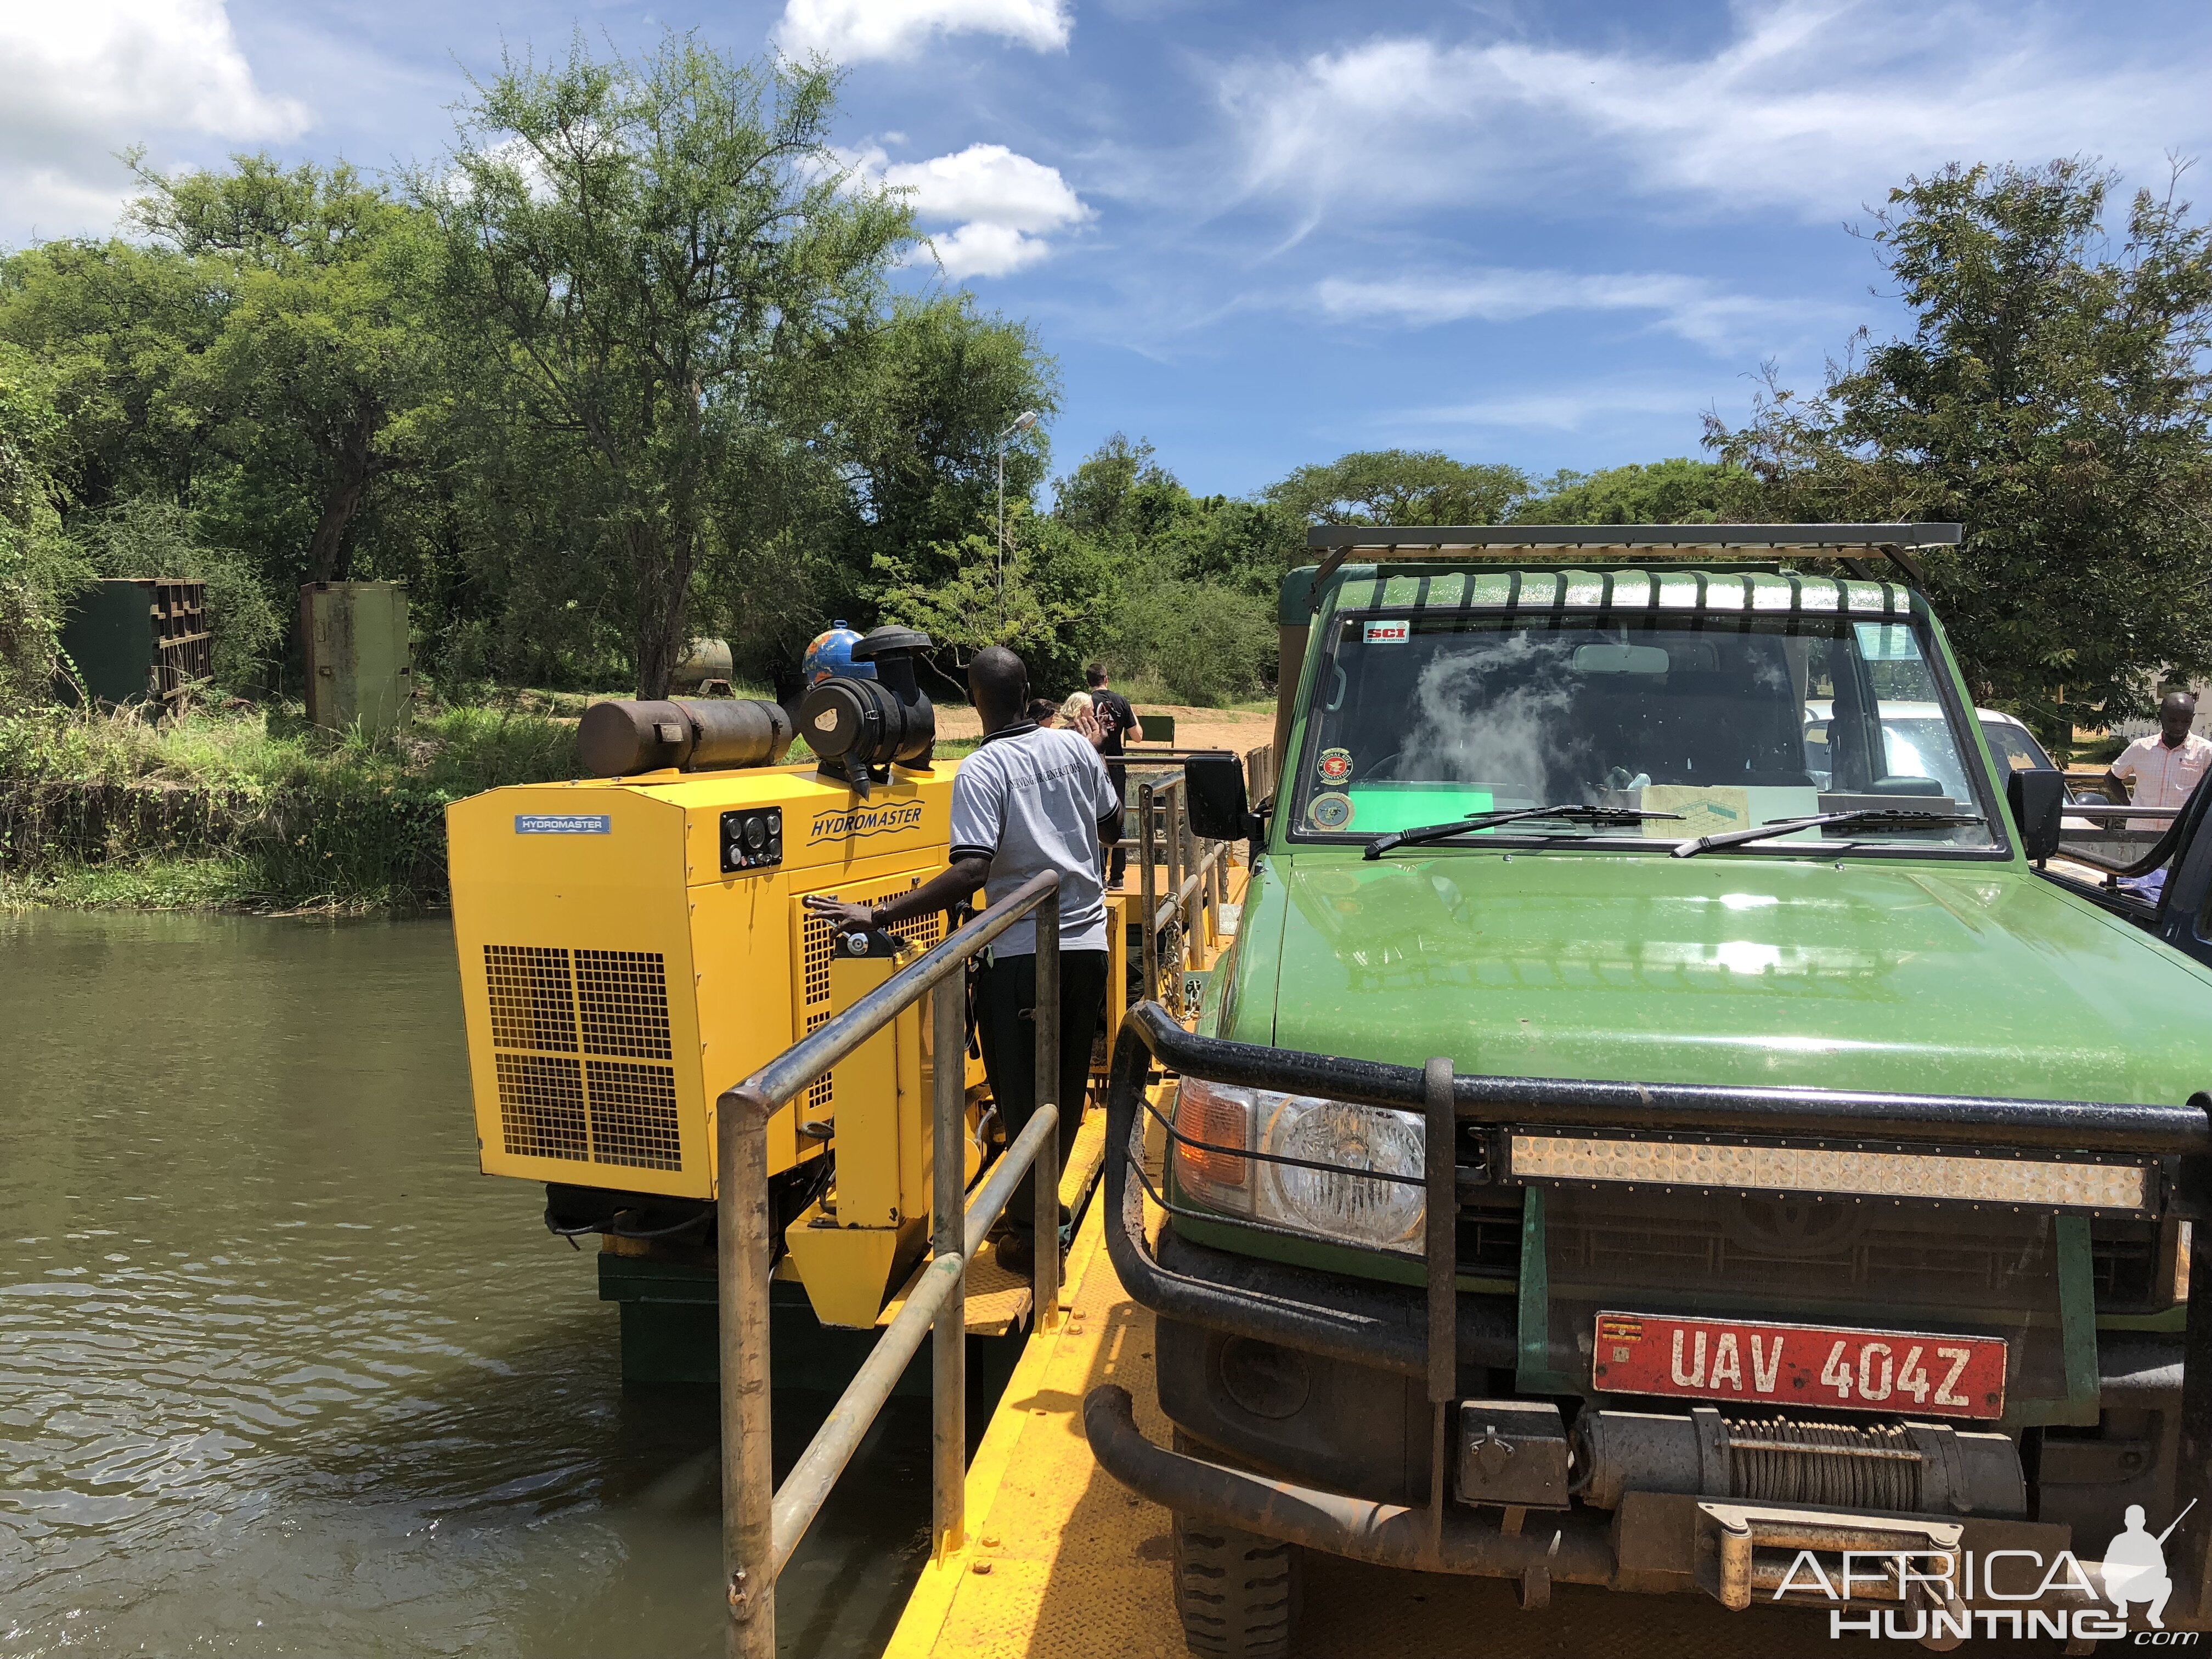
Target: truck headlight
{"type": "Point", "coordinates": [1342, 1201]}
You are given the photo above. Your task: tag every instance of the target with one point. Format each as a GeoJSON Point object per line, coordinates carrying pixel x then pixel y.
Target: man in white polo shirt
{"type": "Point", "coordinates": [1030, 799]}
{"type": "Point", "coordinates": [2166, 769]}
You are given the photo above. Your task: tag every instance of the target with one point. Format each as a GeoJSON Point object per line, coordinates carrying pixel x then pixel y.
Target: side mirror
{"type": "Point", "coordinates": [2038, 801]}
{"type": "Point", "coordinates": [1213, 784]}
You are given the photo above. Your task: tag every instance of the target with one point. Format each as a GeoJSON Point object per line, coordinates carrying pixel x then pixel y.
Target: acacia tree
{"type": "Point", "coordinates": [1400, 486]}
{"type": "Point", "coordinates": [2054, 398]}
{"type": "Point", "coordinates": [322, 344]}
{"type": "Point", "coordinates": [650, 254]}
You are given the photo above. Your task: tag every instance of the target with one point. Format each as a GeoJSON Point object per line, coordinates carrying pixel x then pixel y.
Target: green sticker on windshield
{"type": "Point", "coordinates": [1385, 807]}
{"type": "Point", "coordinates": [1888, 642]}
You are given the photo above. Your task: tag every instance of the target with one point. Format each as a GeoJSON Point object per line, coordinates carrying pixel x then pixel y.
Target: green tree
{"type": "Point", "coordinates": [1400, 486]}
{"type": "Point", "coordinates": [323, 360]}
{"type": "Point", "coordinates": [1675, 491]}
{"type": "Point", "coordinates": [655, 256]}
{"type": "Point", "coordinates": [899, 471]}
{"type": "Point", "coordinates": [1191, 578]}
{"type": "Point", "coordinates": [34, 562]}
{"type": "Point", "coordinates": [1049, 603]}
{"type": "Point", "coordinates": [117, 324]}
{"type": "Point", "coordinates": [2053, 397]}
{"type": "Point", "coordinates": [1120, 491]}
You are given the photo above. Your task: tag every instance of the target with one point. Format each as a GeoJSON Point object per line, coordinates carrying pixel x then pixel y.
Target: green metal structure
{"type": "Point", "coordinates": [136, 640]}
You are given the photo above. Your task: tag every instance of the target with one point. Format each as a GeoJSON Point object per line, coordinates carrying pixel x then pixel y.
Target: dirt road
{"type": "Point", "coordinates": [1234, 729]}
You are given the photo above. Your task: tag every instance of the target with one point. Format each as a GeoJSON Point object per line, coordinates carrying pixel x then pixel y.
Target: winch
{"type": "Point", "coordinates": [1891, 1467]}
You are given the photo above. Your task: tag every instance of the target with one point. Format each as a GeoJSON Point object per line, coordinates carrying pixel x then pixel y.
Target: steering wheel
{"type": "Point", "coordinates": [1382, 770]}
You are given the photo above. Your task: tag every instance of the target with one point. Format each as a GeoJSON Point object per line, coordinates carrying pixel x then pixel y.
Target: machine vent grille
{"type": "Point", "coordinates": [541, 1106]}
{"type": "Point", "coordinates": [634, 1114]}
{"type": "Point", "coordinates": [818, 948]}
{"type": "Point", "coordinates": [551, 1002]}
{"type": "Point", "coordinates": [623, 997]}
{"type": "Point", "coordinates": [532, 1005]}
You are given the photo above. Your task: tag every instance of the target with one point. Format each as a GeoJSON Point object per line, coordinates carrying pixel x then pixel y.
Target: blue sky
{"type": "Point", "coordinates": [1259, 234]}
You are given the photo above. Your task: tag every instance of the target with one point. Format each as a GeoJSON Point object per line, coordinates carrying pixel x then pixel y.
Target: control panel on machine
{"type": "Point", "coordinates": [753, 840]}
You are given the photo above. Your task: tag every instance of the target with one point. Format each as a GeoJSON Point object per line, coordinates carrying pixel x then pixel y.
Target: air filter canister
{"type": "Point", "coordinates": [621, 739]}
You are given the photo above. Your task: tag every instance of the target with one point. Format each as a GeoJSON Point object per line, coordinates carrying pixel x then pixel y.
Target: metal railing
{"type": "Point", "coordinates": [761, 1523]}
{"type": "Point", "coordinates": [1197, 881]}
{"type": "Point", "coordinates": [2119, 839]}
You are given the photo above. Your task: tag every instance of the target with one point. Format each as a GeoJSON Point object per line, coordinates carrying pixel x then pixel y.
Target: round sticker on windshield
{"type": "Point", "coordinates": [1329, 812]}
{"type": "Point", "coordinates": [1335, 765]}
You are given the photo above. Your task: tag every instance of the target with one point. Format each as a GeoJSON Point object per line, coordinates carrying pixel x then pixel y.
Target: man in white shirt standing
{"type": "Point", "coordinates": [2166, 769]}
{"type": "Point", "coordinates": [1029, 799]}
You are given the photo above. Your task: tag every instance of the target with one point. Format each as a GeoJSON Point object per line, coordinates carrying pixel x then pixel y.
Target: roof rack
{"type": "Point", "coordinates": [1848, 542]}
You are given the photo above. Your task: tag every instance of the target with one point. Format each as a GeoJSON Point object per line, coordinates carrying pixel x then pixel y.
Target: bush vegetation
{"type": "Point", "coordinates": [251, 809]}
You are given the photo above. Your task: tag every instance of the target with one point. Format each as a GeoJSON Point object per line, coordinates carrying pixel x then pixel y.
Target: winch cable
{"type": "Point", "coordinates": [1832, 1465]}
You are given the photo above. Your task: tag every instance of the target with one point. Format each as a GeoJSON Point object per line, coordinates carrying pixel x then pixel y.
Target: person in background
{"type": "Point", "coordinates": [1118, 722]}
{"type": "Point", "coordinates": [1044, 712]}
{"type": "Point", "coordinates": [2166, 769]}
{"type": "Point", "coordinates": [1075, 708]}
{"type": "Point", "coordinates": [1029, 800]}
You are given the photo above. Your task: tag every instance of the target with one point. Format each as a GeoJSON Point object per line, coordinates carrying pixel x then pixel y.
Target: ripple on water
{"type": "Point", "coordinates": [280, 1373]}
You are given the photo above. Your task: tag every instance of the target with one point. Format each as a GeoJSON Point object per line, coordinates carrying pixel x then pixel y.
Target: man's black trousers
{"type": "Point", "coordinates": [1005, 1006]}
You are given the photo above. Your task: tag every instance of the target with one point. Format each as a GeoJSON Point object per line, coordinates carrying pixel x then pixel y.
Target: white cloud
{"type": "Point", "coordinates": [1813, 106]}
{"type": "Point", "coordinates": [1697, 309]}
{"type": "Point", "coordinates": [83, 80]}
{"type": "Point", "coordinates": [999, 206]}
{"type": "Point", "coordinates": [1557, 411]}
{"type": "Point", "coordinates": [849, 30]}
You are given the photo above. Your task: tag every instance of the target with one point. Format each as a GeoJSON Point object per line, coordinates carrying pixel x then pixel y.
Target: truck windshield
{"type": "Point", "coordinates": [1731, 723]}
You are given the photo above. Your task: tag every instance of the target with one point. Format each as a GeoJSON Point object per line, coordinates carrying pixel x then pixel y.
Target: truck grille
{"type": "Point", "coordinates": [569, 1029]}
{"type": "Point", "coordinates": [2131, 1264]}
{"type": "Point", "coordinates": [1727, 1256]}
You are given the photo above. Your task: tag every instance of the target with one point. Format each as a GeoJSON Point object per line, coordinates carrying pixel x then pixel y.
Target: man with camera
{"type": "Point", "coordinates": [1029, 799]}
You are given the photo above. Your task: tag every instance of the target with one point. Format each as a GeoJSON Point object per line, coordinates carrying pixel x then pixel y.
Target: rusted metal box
{"type": "Point", "coordinates": [353, 638]}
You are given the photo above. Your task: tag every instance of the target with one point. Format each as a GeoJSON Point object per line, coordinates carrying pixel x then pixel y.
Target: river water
{"type": "Point", "coordinates": [280, 1373]}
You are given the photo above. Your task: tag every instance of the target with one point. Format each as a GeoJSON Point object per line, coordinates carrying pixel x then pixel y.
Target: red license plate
{"type": "Point", "coordinates": [1907, 1372]}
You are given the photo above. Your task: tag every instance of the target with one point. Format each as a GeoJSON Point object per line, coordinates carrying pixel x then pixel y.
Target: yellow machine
{"type": "Point", "coordinates": [631, 946]}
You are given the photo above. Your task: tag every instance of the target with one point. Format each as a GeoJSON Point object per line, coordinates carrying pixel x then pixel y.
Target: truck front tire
{"type": "Point", "coordinates": [1236, 1592]}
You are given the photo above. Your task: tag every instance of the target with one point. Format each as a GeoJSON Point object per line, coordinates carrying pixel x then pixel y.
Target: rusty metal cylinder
{"type": "Point", "coordinates": [619, 739]}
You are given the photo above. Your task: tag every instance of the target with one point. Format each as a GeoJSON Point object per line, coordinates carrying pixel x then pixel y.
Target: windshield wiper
{"type": "Point", "coordinates": [1475, 821]}
{"type": "Point", "coordinates": [1883, 818]}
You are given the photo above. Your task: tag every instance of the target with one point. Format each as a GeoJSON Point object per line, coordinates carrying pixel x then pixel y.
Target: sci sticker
{"type": "Point", "coordinates": [1335, 765]}
{"type": "Point", "coordinates": [1387, 633]}
{"type": "Point", "coordinates": [1330, 812]}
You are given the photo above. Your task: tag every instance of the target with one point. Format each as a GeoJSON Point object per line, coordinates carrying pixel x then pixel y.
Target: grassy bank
{"type": "Point", "coordinates": [249, 808]}
{"type": "Point", "coordinates": [252, 809]}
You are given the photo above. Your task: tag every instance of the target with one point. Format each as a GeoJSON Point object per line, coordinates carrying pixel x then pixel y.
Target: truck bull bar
{"type": "Point", "coordinates": [1321, 1312]}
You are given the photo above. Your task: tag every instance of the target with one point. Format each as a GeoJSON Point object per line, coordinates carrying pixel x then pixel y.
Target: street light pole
{"type": "Point", "coordinates": [1023, 422]}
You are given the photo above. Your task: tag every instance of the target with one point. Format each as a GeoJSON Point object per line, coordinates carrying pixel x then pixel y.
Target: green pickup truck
{"type": "Point", "coordinates": [1644, 1138]}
